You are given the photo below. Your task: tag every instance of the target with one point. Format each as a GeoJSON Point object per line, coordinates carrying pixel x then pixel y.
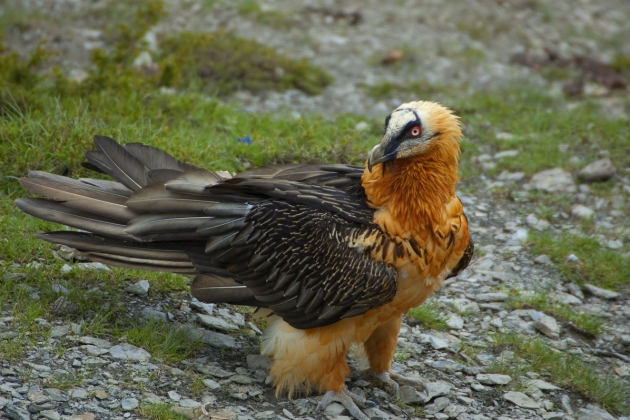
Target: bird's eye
{"type": "Point", "coordinates": [415, 131]}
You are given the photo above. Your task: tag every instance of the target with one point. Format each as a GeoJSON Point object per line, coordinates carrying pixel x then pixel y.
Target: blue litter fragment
{"type": "Point", "coordinates": [246, 140]}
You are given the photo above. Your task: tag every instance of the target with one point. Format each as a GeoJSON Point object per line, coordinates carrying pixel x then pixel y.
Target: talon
{"type": "Point", "coordinates": [390, 385]}
{"type": "Point", "coordinates": [349, 400]}
{"type": "Point", "coordinates": [393, 381]}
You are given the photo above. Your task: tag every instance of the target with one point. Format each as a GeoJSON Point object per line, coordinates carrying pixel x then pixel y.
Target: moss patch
{"type": "Point", "coordinates": [223, 63]}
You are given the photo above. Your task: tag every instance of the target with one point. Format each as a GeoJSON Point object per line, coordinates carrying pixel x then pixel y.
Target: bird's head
{"type": "Point", "coordinates": [417, 129]}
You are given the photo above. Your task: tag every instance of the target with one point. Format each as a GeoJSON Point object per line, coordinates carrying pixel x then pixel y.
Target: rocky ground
{"type": "Point", "coordinates": [475, 45]}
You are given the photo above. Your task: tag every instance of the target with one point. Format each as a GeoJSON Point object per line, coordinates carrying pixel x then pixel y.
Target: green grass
{"type": "Point", "coordinates": [597, 265]}
{"type": "Point", "coordinates": [429, 315]}
{"type": "Point", "coordinates": [273, 18]}
{"type": "Point", "coordinates": [159, 412]}
{"type": "Point", "coordinates": [167, 341]}
{"type": "Point", "coordinates": [564, 369]}
{"type": "Point", "coordinates": [585, 323]}
{"type": "Point", "coordinates": [412, 89]}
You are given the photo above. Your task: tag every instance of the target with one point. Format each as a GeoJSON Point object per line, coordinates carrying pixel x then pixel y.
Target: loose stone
{"type": "Point", "coordinates": [520, 399]}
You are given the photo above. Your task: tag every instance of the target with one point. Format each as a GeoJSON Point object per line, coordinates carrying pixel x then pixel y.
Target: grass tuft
{"type": "Point", "coordinates": [532, 354]}
{"type": "Point", "coordinates": [159, 412]}
{"type": "Point", "coordinates": [587, 324]}
{"type": "Point", "coordinates": [429, 316]}
{"type": "Point", "coordinates": [166, 341]}
{"type": "Point", "coordinates": [597, 265]}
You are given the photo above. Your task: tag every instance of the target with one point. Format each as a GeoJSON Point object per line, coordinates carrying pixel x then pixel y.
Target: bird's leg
{"type": "Point", "coordinates": [380, 348]}
{"type": "Point", "coordinates": [349, 400]}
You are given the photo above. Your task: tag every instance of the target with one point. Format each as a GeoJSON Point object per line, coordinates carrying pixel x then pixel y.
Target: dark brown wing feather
{"type": "Point", "coordinates": [300, 266]}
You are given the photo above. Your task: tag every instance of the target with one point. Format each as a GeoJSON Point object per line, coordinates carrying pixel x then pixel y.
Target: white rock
{"type": "Point", "coordinates": [59, 331]}
{"type": "Point", "coordinates": [566, 299]}
{"type": "Point", "coordinates": [554, 181]}
{"type": "Point", "coordinates": [520, 399]}
{"type": "Point", "coordinates": [437, 343]}
{"type": "Point", "coordinates": [582, 211]}
{"type": "Point", "coordinates": [99, 342]}
{"type": "Point", "coordinates": [436, 389]}
{"type": "Point", "coordinates": [600, 170]}
{"type": "Point", "coordinates": [126, 351]}
{"type": "Point", "coordinates": [334, 409]}
{"type": "Point", "coordinates": [129, 404]}
{"type": "Point", "coordinates": [189, 403]}
{"type": "Point", "coordinates": [92, 266]}
{"type": "Point", "coordinates": [542, 385]}
{"type": "Point", "coordinates": [545, 324]}
{"type": "Point", "coordinates": [504, 136]}
{"type": "Point", "coordinates": [536, 223]}
{"type": "Point", "coordinates": [50, 414]}
{"type": "Point", "coordinates": [78, 75]}
{"type": "Point", "coordinates": [599, 292]}
{"type": "Point", "coordinates": [592, 412]}
{"type": "Point", "coordinates": [519, 236]}
{"type": "Point", "coordinates": [174, 396]}
{"type": "Point", "coordinates": [208, 308]}
{"type": "Point", "coordinates": [211, 384]}
{"type": "Point", "coordinates": [555, 415]}
{"type": "Point", "coordinates": [455, 322]}
{"type": "Point", "coordinates": [493, 379]}
{"type": "Point", "coordinates": [78, 393]}
{"type": "Point", "coordinates": [216, 323]}
{"type": "Point", "coordinates": [362, 126]}
{"type": "Point", "coordinates": [490, 297]}
{"type": "Point", "coordinates": [543, 259]}
{"type": "Point", "coordinates": [141, 288]}
{"type": "Point", "coordinates": [376, 414]}
{"type": "Point", "coordinates": [143, 60]}
{"type": "Point", "coordinates": [511, 176]}
{"type": "Point", "coordinates": [614, 244]}
{"type": "Point", "coordinates": [506, 153]}
{"type": "Point", "coordinates": [572, 258]}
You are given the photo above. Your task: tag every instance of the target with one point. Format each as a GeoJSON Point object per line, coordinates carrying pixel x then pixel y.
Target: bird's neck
{"type": "Point", "coordinates": [413, 191]}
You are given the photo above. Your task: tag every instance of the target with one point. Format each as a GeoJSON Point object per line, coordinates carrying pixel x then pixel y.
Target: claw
{"type": "Point", "coordinates": [349, 400]}
{"type": "Point", "coordinates": [393, 381]}
{"type": "Point", "coordinates": [391, 386]}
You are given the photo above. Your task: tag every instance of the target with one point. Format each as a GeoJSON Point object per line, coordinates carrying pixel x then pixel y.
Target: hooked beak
{"type": "Point", "coordinates": [377, 155]}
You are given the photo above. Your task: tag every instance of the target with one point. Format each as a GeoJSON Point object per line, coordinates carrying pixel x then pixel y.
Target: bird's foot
{"type": "Point", "coordinates": [393, 381]}
{"type": "Point", "coordinates": [349, 400]}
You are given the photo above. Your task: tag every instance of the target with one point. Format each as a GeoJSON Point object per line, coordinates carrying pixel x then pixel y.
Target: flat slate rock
{"type": "Point", "coordinates": [126, 351]}
{"type": "Point", "coordinates": [520, 399]}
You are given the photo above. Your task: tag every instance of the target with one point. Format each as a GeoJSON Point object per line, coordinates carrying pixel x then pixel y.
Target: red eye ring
{"type": "Point", "coordinates": [415, 131]}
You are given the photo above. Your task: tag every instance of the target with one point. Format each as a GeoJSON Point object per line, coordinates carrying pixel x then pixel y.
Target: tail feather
{"type": "Point", "coordinates": [165, 223]}
{"type": "Point", "coordinates": [79, 196]}
{"type": "Point", "coordinates": [156, 159]}
{"type": "Point", "coordinates": [135, 264]}
{"type": "Point", "coordinates": [196, 181]}
{"type": "Point", "coordinates": [107, 185]}
{"type": "Point", "coordinates": [59, 213]}
{"type": "Point", "coordinates": [210, 288]}
{"type": "Point", "coordinates": [155, 198]}
{"type": "Point", "coordinates": [119, 163]}
{"type": "Point", "coordinates": [86, 242]}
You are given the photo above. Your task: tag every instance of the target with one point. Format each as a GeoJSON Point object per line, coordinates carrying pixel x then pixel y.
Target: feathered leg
{"type": "Point", "coordinates": [380, 349]}
{"type": "Point", "coordinates": [316, 358]}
